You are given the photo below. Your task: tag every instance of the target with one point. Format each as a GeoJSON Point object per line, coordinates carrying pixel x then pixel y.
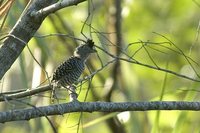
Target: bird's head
{"type": "Point", "coordinates": [84, 50]}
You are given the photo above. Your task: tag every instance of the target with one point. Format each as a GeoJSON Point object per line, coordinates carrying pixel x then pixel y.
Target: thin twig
{"type": "Point", "coordinates": [181, 53]}
{"type": "Point", "coordinates": [149, 66]}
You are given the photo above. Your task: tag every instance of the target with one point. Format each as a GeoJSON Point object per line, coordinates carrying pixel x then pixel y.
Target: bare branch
{"type": "Point", "coordinates": [57, 6]}
{"type": "Point", "coordinates": [133, 61]}
{"type": "Point", "coordinates": [59, 109]}
{"type": "Point", "coordinates": [28, 92]}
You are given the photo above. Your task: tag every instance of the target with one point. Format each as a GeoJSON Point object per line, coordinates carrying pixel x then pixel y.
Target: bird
{"type": "Point", "coordinates": [68, 72]}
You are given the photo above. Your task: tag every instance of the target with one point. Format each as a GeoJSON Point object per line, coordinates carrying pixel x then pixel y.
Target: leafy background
{"type": "Point", "coordinates": [141, 20]}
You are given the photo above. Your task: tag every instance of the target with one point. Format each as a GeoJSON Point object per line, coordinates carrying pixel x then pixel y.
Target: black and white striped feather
{"type": "Point", "coordinates": [69, 71]}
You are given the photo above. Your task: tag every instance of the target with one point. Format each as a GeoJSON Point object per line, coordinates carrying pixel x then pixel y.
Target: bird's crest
{"type": "Point", "coordinates": [90, 43]}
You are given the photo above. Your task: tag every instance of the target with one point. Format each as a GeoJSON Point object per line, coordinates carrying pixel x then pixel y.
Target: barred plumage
{"type": "Point", "coordinates": [70, 70]}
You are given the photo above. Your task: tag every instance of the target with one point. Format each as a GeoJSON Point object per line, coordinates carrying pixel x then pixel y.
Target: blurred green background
{"type": "Point", "coordinates": [141, 19]}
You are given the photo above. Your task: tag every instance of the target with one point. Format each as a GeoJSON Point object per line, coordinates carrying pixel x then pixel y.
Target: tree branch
{"type": "Point", "coordinates": [59, 109]}
{"type": "Point", "coordinates": [28, 92]}
{"type": "Point", "coordinates": [57, 6]}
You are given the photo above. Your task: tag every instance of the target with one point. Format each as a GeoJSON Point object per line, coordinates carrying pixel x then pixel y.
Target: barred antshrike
{"type": "Point", "coordinates": [68, 72]}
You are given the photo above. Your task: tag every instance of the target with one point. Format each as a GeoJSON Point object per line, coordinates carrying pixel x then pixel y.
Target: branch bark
{"type": "Point", "coordinates": [25, 28]}
{"type": "Point", "coordinates": [28, 92]}
{"type": "Point", "coordinates": [59, 109]}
